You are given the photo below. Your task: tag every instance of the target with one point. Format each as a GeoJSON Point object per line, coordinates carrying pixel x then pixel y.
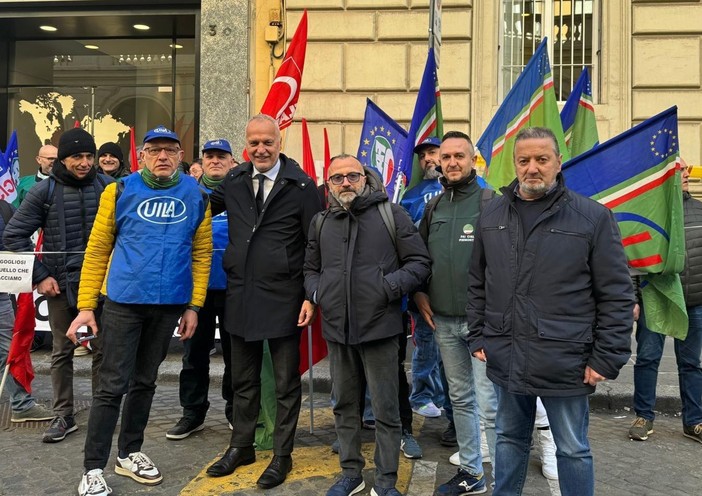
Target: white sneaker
{"type": "Point", "coordinates": [139, 467]}
{"type": "Point", "coordinates": [429, 410]}
{"type": "Point", "coordinates": [549, 466]}
{"type": "Point", "coordinates": [455, 459]}
{"type": "Point", "coordinates": [93, 484]}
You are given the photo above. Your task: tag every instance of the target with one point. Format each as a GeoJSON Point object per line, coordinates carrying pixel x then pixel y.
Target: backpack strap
{"type": "Point", "coordinates": [385, 209]}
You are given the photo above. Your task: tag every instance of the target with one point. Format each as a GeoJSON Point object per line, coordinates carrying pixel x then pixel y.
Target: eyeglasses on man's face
{"type": "Point", "coordinates": [338, 179]}
{"type": "Point", "coordinates": [155, 151]}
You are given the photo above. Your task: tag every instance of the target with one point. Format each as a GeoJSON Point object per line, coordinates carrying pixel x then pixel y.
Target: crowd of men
{"type": "Point", "coordinates": [521, 303]}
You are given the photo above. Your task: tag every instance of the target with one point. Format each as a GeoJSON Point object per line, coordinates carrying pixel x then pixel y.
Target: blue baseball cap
{"type": "Point", "coordinates": [218, 144]}
{"type": "Point", "coordinates": [161, 132]}
{"type": "Point", "coordinates": [430, 141]}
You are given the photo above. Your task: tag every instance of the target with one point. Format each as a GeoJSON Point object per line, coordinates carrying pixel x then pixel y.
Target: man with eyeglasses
{"type": "Point", "coordinates": [65, 207]}
{"type": "Point", "coordinates": [270, 202]}
{"type": "Point", "coordinates": [357, 270]}
{"type": "Point", "coordinates": [45, 158]}
{"type": "Point", "coordinates": [149, 252]}
{"type": "Point", "coordinates": [649, 344]}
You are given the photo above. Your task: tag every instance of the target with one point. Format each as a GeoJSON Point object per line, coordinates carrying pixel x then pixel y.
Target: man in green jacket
{"type": "Point", "coordinates": [447, 228]}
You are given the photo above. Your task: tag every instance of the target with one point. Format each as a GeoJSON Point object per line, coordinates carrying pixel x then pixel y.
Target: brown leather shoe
{"type": "Point", "coordinates": [233, 458]}
{"type": "Point", "coordinates": [276, 472]}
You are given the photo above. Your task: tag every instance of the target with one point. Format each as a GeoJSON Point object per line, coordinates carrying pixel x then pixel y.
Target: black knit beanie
{"type": "Point", "coordinates": [112, 149]}
{"type": "Point", "coordinates": [73, 141]}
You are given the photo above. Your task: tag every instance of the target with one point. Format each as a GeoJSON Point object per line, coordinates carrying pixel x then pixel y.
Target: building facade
{"type": "Point", "coordinates": [203, 67]}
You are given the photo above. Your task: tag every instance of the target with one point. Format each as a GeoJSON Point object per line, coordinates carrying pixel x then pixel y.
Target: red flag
{"type": "Point", "coordinates": [132, 150]}
{"type": "Point", "coordinates": [327, 155]}
{"type": "Point", "coordinates": [22, 335]}
{"type": "Point", "coordinates": [76, 123]}
{"type": "Point", "coordinates": [319, 345]}
{"type": "Point", "coordinates": [282, 97]}
{"type": "Point", "coordinates": [307, 158]}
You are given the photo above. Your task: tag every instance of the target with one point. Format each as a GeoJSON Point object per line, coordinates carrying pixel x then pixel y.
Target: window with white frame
{"type": "Point", "coordinates": [572, 27]}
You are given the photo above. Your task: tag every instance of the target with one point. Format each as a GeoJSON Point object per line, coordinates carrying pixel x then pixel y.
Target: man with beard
{"type": "Point", "coordinates": [447, 228]}
{"type": "Point", "coordinates": [357, 270]}
{"type": "Point", "coordinates": [550, 309]}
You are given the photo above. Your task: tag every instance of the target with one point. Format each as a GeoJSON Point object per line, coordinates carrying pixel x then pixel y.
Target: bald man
{"type": "Point", "coordinates": [45, 158]}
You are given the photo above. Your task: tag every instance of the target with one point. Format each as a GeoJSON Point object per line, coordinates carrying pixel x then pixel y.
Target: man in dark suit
{"type": "Point", "coordinates": [270, 202]}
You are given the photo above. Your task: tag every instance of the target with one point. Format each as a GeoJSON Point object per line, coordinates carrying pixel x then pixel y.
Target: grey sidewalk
{"type": "Point", "coordinates": [614, 395]}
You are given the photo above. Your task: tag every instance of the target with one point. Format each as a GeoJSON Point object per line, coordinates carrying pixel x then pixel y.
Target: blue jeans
{"type": "Point", "coordinates": [569, 417]}
{"type": "Point", "coordinates": [137, 337]}
{"type": "Point", "coordinates": [649, 350]}
{"type": "Point", "coordinates": [472, 395]}
{"type": "Point", "coordinates": [426, 379]}
{"type": "Point", "coordinates": [20, 400]}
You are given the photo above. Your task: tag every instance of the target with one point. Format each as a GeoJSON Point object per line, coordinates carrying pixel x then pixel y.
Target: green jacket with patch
{"type": "Point", "coordinates": [448, 231]}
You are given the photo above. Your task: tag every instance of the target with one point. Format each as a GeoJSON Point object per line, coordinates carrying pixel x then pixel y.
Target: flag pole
{"type": "Point", "coordinates": [311, 378]}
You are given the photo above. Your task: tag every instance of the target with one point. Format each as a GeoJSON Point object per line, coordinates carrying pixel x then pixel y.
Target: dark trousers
{"type": "Point", "coordinates": [403, 386]}
{"type": "Point", "coordinates": [61, 314]}
{"type": "Point", "coordinates": [246, 383]}
{"type": "Point", "coordinates": [376, 362]}
{"type": "Point", "coordinates": [137, 337]}
{"type": "Point", "coordinates": [195, 375]}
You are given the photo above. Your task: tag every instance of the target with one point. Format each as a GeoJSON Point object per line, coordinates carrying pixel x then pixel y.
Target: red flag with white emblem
{"type": "Point", "coordinates": [282, 97]}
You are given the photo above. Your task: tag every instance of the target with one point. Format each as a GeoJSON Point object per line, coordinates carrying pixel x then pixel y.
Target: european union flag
{"type": "Point", "coordinates": [382, 144]}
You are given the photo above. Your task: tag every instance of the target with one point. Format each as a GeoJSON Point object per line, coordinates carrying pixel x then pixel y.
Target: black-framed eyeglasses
{"type": "Point", "coordinates": [52, 159]}
{"type": "Point", "coordinates": [155, 151]}
{"type": "Point", "coordinates": [338, 179]}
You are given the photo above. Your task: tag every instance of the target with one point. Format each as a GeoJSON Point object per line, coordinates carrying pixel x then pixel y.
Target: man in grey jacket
{"type": "Point", "coordinates": [363, 255]}
{"type": "Point", "coordinates": [550, 308]}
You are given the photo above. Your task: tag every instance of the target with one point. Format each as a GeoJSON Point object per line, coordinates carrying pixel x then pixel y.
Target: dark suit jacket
{"type": "Point", "coordinates": [264, 257]}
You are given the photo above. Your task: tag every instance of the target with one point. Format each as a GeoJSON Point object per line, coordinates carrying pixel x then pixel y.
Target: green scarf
{"type": "Point", "coordinates": [211, 183]}
{"type": "Point", "coordinates": [154, 182]}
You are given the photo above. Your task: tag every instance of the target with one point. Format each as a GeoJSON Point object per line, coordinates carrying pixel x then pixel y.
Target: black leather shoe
{"type": "Point", "coordinates": [233, 458]}
{"type": "Point", "coordinates": [276, 472]}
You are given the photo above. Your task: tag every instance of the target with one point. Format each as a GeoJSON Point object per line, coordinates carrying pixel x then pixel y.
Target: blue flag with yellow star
{"type": "Point", "coordinates": [382, 144]}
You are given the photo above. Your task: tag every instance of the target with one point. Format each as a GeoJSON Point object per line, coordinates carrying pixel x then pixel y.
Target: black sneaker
{"type": "Point", "coordinates": [640, 429]}
{"type": "Point", "coordinates": [59, 428]}
{"type": "Point", "coordinates": [448, 437]}
{"type": "Point", "coordinates": [693, 432]}
{"type": "Point", "coordinates": [462, 484]}
{"type": "Point", "coordinates": [184, 427]}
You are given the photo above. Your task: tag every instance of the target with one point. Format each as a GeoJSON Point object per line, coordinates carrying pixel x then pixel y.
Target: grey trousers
{"type": "Point", "coordinates": [61, 314]}
{"type": "Point", "coordinates": [377, 361]}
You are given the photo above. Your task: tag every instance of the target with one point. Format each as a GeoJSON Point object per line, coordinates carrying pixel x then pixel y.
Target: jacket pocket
{"type": "Point", "coordinates": [497, 344]}
{"type": "Point", "coordinates": [560, 353]}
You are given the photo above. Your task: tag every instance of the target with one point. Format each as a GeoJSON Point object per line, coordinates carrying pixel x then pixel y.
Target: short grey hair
{"type": "Point", "coordinates": [265, 118]}
{"type": "Point", "coordinates": [537, 133]}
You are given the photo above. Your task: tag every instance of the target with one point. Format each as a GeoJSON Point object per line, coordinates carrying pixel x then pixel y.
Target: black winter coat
{"type": "Point", "coordinates": [357, 273]}
{"type": "Point", "coordinates": [264, 257]}
{"type": "Point", "coordinates": [546, 303]}
{"type": "Point", "coordinates": [66, 229]}
{"type": "Point", "coordinates": [691, 276]}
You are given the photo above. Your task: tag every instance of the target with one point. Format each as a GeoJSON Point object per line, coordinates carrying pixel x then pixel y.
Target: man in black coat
{"type": "Point", "coordinates": [269, 202]}
{"type": "Point", "coordinates": [358, 266]}
{"type": "Point", "coordinates": [550, 308]}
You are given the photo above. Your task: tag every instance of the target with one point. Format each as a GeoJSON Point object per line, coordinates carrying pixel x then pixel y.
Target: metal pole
{"type": "Point", "coordinates": [311, 383]}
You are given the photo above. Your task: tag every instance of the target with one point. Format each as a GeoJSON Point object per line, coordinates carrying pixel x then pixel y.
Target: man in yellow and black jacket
{"type": "Point", "coordinates": [150, 251]}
